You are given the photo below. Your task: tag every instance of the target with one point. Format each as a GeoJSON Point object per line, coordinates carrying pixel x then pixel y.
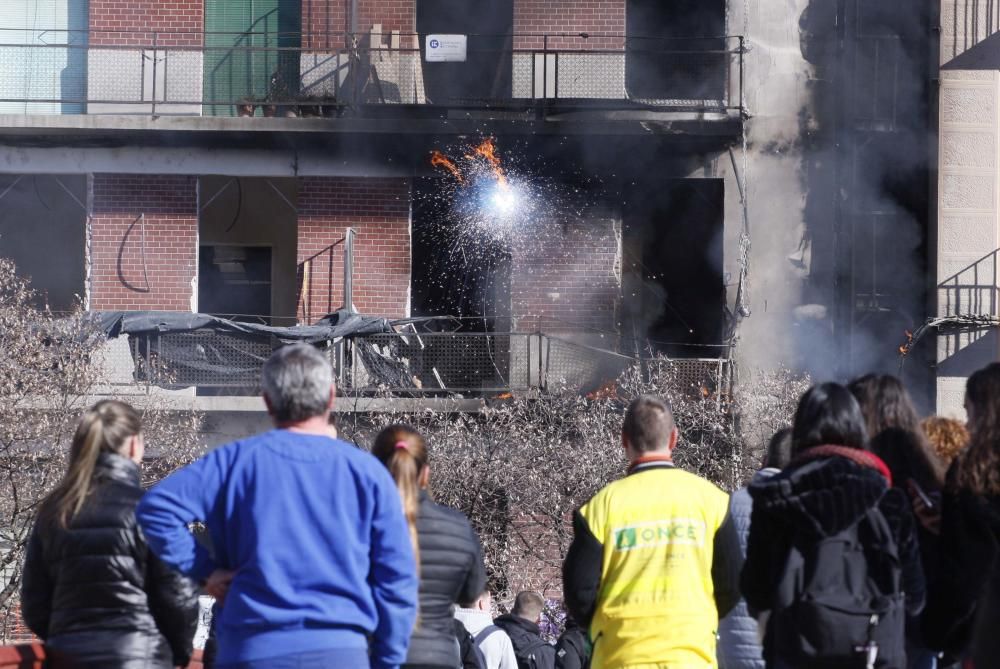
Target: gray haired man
{"type": "Point", "coordinates": [311, 553]}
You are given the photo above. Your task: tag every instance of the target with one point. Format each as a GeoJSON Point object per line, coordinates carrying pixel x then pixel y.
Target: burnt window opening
{"type": "Point", "coordinates": [676, 50]}
{"type": "Point", "coordinates": [672, 243]}
{"type": "Point", "coordinates": [235, 282]}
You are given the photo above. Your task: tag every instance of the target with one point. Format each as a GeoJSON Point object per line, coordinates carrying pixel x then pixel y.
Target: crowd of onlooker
{"type": "Point", "coordinates": [867, 539]}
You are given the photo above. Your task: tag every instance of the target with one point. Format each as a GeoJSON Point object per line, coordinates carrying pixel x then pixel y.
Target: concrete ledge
{"type": "Point", "coordinates": [398, 119]}
{"type": "Point", "coordinates": [346, 404]}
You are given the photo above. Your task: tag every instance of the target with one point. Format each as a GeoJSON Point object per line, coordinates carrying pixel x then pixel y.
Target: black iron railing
{"type": "Point", "coordinates": [300, 74]}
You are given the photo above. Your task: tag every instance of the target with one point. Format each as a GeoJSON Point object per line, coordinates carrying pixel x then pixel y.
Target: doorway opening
{"type": "Point", "coordinates": [486, 72]}
{"type": "Point", "coordinates": [234, 282]}
{"type": "Point", "coordinates": [452, 278]}
{"type": "Point", "coordinates": [672, 242]}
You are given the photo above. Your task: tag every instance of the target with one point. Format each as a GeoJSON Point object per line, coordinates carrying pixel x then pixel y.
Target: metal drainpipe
{"type": "Point", "coordinates": [349, 269]}
{"type": "Point", "coordinates": [352, 16]}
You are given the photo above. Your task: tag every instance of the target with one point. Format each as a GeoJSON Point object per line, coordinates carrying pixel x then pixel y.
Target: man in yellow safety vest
{"type": "Point", "coordinates": [655, 559]}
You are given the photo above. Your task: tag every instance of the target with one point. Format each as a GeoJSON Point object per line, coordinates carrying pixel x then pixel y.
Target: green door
{"type": "Point", "coordinates": [250, 52]}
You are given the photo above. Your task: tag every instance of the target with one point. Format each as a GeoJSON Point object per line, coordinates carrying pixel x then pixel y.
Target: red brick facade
{"type": "Point", "coordinates": [144, 242]}
{"type": "Point", "coordinates": [133, 22]}
{"type": "Point", "coordinates": [379, 212]}
{"type": "Point", "coordinates": [570, 283]}
{"type": "Point", "coordinates": [569, 16]}
{"type": "Point", "coordinates": [398, 15]}
{"type": "Point", "coordinates": [324, 21]}
{"type": "Point", "coordinates": [181, 22]}
{"type": "Point", "coordinates": [323, 24]}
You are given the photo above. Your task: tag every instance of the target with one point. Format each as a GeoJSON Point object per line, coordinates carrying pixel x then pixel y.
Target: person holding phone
{"type": "Point", "coordinates": [896, 437]}
{"type": "Point", "coordinates": [963, 608]}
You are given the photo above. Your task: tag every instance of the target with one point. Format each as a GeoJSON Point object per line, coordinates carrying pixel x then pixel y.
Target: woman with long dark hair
{"type": "Point", "coordinates": [963, 610]}
{"type": "Point", "coordinates": [896, 437]}
{"type": "Point", "coordinates": [822, 529]}
{"type": "Point", "coordinates": [447, 549]}
{"type": "Point", "coordinates": [92, 590]}
{"type": "Point", "coordinates": [895, 433]}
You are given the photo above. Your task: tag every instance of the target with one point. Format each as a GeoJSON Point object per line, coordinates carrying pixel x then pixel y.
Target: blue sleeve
{"type": "Point", "coordinates": [393, 577]}
{"type": "Point", "coordinates": [165, 512]}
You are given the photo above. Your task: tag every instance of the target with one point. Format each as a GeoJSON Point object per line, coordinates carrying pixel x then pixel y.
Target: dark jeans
{"type": "Point", "coordinates": [317, 659]}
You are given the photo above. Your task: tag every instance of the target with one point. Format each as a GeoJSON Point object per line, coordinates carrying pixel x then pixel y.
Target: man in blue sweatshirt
{"type": "Point", "coordinates": [311, 558]}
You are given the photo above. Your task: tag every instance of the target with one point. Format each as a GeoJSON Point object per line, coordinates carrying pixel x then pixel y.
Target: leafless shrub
{"type": "Point", "coordinates": [521, 467]}
{"type": "Point", "coordinates": [51, 369]}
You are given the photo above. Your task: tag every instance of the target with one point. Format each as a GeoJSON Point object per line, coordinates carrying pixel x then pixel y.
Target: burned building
{"type": "Point", "coordinates": [706, 175]}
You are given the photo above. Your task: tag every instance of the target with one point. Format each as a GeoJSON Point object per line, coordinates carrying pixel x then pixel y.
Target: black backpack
{"type": "Point", "coordinates": [468, 648]}
{"type": "Point", "coordinates": [527, 654]}
{"type": "Point", "coordinates": [839, 603]}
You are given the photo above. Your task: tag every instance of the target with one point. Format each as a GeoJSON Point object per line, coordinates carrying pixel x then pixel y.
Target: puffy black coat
{"type": "Point", "coordinates": [963, 606]}
{"type": "Point", "coordinates": [451, 570]}
{"type": "Point", "coordinates": [96, 594]}
{"type": "Point", "coordinates": [820, 498]}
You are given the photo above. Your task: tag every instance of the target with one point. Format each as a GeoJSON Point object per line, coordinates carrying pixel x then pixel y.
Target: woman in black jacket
{"type": "Point", "coordinates": [448, 553]}
{"type": "Point", "coordinates": [820, 532]}
{"type": "Point", "coordinates": [896, 437]}
{"type": "Point", "coordinates": [963, 608]}
{"type": "Point", "coordinates": [91, 589]}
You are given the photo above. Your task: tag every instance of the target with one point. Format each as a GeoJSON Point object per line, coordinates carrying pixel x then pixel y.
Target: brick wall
{"type": "Point", "coordinates": [398, 15]}
{"type": "Point", "coordinates": [569, 16]}
{"type": "Point", "coordinates": [379, 212]}
{"type": "Point", "coordinates": [133, 22]}
{"type": "Point", "coordinates": [569, 282]}
{"type": "Point", "coordinates": [133, 268]}
{"type": "Point", "coordinates": [323, 21]}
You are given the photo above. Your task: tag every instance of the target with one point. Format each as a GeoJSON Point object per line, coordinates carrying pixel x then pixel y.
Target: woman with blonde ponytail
{"type": "Point", "coordinates": [448, 552]}
{"type": "Point", "coordinates": [91, 588]}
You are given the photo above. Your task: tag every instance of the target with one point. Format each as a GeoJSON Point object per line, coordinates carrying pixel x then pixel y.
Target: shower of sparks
{"type": "Point", "coordinates": [488, 211]}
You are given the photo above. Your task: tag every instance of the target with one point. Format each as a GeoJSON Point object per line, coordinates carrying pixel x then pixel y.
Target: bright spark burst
{"type": "Point", "coordinates": [489, 210]}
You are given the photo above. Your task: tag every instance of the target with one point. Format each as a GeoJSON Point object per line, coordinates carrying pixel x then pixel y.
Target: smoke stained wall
{"type": "Point", "coordinates": [837, 165]}
{"type": "Point", "coordinates": [777, 95]}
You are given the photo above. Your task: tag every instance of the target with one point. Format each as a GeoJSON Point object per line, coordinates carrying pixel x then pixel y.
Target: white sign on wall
{"type": "Point", "coordinates": [445, 48]}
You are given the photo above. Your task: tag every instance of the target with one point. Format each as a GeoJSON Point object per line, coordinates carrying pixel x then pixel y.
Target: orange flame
{"type": "Point", "coordinates": [487, 149]}
{"type": "Point", "coordinates": [608, 390]}
{"type": "Point", "coordinates": [905, 348]}
{"type": "Point", "coordinates": [504, 396]}
{"type": "Point", "coordinates": [705, 392]}
{"type": "Point", "coordinates": [438, 159]}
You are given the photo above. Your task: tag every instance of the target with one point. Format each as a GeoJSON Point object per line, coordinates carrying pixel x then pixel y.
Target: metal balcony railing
{"type": "Point", "coordinates": [436, 363]}
{"type": "Point", "coordinates": [302, 74]}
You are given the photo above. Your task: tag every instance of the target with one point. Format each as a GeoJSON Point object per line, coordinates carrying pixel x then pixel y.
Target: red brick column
{"type": "Point", "coordinates": [572, 282]}
{"type": "Point", "coordinates": [379, 212]}
{"type": "Point", "coordinates": [133, 22]}
{"type": "Point", "coordinates": [144, 242]}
